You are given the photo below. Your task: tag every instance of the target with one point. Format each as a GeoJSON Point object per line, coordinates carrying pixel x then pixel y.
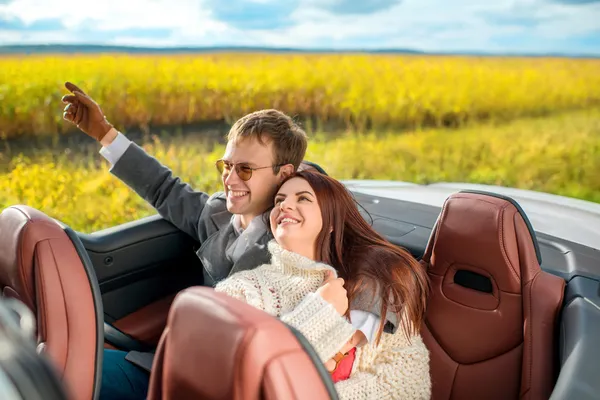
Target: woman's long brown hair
{"type": "Point", "coordinates": [366, 260]}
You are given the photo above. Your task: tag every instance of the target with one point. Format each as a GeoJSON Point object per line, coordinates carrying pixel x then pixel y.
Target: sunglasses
{"type": "Point", "coordinates": [242, 170]}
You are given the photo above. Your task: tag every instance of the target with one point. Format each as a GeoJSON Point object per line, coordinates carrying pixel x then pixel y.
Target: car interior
{"type": "Point", "coordinates": [513, 313]}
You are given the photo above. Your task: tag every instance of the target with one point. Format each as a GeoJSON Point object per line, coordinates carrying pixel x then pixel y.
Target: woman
{"type": "Point", "coordinates": [318, 230]}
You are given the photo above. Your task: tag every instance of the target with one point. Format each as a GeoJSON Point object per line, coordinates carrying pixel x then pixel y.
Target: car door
{"type": "Point", "coordinates": [141, 266]}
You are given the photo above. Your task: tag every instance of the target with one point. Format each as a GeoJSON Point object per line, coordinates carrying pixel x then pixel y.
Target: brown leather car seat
{"type": "Point", "coordinates": [492, 316]}
{"type": "Point", "coordinates": [217, 347]}
{"type": "Point", "coordinates": [44, 265]}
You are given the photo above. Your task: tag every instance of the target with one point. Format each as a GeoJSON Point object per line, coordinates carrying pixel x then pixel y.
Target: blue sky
{"type": "Point", "coordinates": [499, 26]}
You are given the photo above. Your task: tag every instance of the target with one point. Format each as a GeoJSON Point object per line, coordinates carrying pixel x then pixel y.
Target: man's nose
{"type": "Point", "coordinates": [232, 177]}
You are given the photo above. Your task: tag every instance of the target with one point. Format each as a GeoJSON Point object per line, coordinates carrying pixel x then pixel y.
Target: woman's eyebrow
{"type": "Point", "coordinates": [304, 192]}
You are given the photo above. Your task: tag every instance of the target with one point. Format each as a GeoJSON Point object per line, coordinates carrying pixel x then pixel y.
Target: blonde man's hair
{"type": "Point", "coordinates": [273, 126]}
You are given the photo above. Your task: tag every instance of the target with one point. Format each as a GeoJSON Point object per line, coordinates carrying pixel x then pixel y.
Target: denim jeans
{"type": "Point", "coordinates": [122, 380]}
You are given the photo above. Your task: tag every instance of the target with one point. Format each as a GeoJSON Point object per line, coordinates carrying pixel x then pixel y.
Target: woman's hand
{"type": "Point", "coordinates": [333, 292]}
{"type": "Point", "coordinates": [355, 341]}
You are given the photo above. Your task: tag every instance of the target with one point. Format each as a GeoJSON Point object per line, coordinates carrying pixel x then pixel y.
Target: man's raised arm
{"type": "Point", "coordinates": [174, 200]}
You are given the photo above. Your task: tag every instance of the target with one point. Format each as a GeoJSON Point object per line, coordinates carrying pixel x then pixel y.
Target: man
{"type": "Point", "coordinates": [262, 149]}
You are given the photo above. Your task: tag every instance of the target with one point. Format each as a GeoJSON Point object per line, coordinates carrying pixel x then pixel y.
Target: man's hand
{"type": "Point", "coordinates": [333, 292]}
{"type": "Point", "coordinates": [84, 112]}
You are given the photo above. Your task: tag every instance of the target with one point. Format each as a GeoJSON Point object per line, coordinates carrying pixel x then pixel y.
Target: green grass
{"type": "Point", "coordinates": [559, 154]}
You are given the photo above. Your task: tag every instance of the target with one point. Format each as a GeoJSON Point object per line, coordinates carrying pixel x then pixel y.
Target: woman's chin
{"type": "Point", "coordinates": [284, 239]}
{"type": "Point", "coordinates": [289, 241]}
{"type": "Point", "coordinates": [283, 232]}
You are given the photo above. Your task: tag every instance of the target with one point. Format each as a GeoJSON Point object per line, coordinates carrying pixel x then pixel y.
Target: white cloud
{"type": "Point", "coordinates": [568, 20]}
{"type": "Point", "coordinates": [10, 36]}
{"type": "Point", "coordinates": [111, 14]}
{"type": "Point", "coordinates": [434, 25]}
{"type": "Point", "coordinates": [141, 42]}
{"type": "Point", "coordinates": [20, 37]}
{"type": "Point", "coordinates": [431, 25]}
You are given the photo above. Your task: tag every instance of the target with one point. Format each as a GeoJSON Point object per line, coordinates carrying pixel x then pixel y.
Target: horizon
{"type": "Point", "coordinates": [507, 27]}
{"type": "Point", "coordinates": [67, 48]}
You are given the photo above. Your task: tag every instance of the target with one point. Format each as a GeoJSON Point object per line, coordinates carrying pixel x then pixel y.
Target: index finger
{"type": "Point", "coordinates": [73, 87]}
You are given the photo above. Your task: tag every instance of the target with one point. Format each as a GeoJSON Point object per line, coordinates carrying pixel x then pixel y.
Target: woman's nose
{"type": "Point", "coordinates": [287, 205]}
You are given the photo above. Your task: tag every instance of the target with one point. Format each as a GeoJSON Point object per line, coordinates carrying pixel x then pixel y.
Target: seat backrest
{"type": "Point", "coordinates": [42, 266]}
{"type": "Point", "coordinates": [217, 347]}
{"type": "Point", "coordinates": [492, 314]}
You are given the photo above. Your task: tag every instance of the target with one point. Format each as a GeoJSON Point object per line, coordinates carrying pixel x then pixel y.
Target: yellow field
{"type": "Point", "coordinates": [359, 91]}
{"type": "Point", "coordinates": [558, 155]}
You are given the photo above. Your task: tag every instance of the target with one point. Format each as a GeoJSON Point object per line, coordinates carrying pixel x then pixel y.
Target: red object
{"type": "Point", "coordinates": [344, 368]}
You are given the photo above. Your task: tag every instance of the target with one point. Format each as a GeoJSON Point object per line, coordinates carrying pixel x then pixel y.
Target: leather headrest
{"type": "Point", "coordinates": [21, 228]}
{"type": "Point", "coordinates": [476, 236]}
{"type": "Point", "coordinates": [217, 347]}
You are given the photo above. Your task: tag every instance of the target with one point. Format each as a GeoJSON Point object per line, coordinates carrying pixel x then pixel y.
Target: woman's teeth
{"type": "Point", "coordinates": [291, 221]}
{"type": "Point", "coordinates": [237, 194]}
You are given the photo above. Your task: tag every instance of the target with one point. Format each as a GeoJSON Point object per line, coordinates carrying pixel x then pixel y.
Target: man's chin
{"type": "Point", "coordinates": [236, 207]}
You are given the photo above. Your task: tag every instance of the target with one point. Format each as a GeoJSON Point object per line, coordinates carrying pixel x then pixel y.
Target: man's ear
{"type": "Point", "coordinates": [286, 170]}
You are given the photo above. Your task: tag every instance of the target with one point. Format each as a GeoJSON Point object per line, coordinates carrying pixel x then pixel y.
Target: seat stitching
{"type": "Point", "coordinates": [26, 283]}
{"type": "Point", "coordinates": [438, 227]}
{"type": "Point", "coordinates": [473, 363]}
{"type": "Point", "coordinates": [503, 244]}
{"type": "Point", "coordinates": [42, 320]}
{"type": "Point", "coordinates": [530, 333]}
{"type": "Point", "coordinates": [28, 289]}
{"type": "Point", "coordinates": [19, 261]}
{"type": "Point", "coordinates": [243, 344]}
{"type": "Point", "coordinates": [285, 371]}
{"type": "Point", "coordinates": [66, 333]}
{"type": "Point", "coordinates": [494, 356]}
{"type": "Point", "coordinates": [454, 378]}
{"type": "Point", "coordinates": [431, 332]}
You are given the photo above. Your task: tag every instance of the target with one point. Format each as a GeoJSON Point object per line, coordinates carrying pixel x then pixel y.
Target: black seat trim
{"type": "Point", "coordinates": [98, 307]}
{"type": "Point", "coordinates": [315, 166]}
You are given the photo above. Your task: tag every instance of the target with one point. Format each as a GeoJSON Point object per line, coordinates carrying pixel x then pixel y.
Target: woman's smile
{"type": "Point", "coordinates": [285, 219]}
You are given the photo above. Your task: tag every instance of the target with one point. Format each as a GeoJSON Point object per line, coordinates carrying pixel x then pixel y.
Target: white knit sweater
{"type": "Point", "coordinates": [285, 288]}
